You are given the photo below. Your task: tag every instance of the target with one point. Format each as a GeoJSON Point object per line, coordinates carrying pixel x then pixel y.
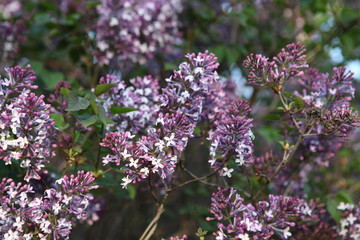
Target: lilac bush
{"type": "Point", "coordinates": [271, 165]}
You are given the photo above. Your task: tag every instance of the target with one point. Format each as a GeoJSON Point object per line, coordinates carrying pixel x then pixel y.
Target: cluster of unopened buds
{"type": "Point", "coordinates": [289, 63]}
{"type": "Point", "coordinates": [134, 30]}
{"type": "Point", "coordinates": [25, 214]}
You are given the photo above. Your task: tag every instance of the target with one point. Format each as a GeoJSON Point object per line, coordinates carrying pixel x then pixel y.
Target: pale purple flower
{"type": "Point", "coordinates": [142, 95]}
{"type": "Point", "coordinates": [238, 220]}
{"type": "Point", "coordinates": [134, 30]}
{"type": "Point", "coordinates": [26, 129]}
{"type": "Point", "coordinates": [50, 214]}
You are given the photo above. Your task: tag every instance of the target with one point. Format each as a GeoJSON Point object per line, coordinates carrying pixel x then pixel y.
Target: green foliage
{"type": "Point", "coordinates": [333, 202]}
{"type": "Point", "coordinates": [120, 110]}
{"type": "Point", "coordinates": [103, 88]}
{"type": "Point", "coordinates": [59, 121]}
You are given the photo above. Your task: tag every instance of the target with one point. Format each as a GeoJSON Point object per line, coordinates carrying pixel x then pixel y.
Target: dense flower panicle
{"type": "Point", "coordinates": [350, 221]}
{"type": "Point", "coordinates": [289, 63]}
{"type": "Point", "coordinates": [292, 60]}
{"type": "Point", "coordinates": [77, 184]}
{"type": "Point", "coordinates": [18, 79]}
{"type": "Point", "coordinates": [235, 219]}
{"type": "Point", "coordinates": [180, 110]}
{"type": "Point", "coordinates": [11, 28]}
{"type": "Point", "coordinates": [23, 216]}
{"type": "Point", "coordinates": [187, 87]}
{"type": "Point", "coordinates": [318, 225]}
{"type": "Point", "coordinates": [153, 153]}
{"type": "Point", "coordinates": [143, 96]}
{"type": "Point", "coordinates": [26, 129]}
{"type": "Point", "coordinates": [327, 101]}
{"type": "Point", "coordinates": [318, 90]}
{"type": "Point", "coordinates": [232, 138]}
{"type": "Point", "coordinates": [135, 29]}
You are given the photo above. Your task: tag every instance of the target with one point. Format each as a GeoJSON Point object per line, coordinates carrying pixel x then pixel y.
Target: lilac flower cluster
{"type": "Point", "coordinates": [232, 138]}
{"type": "Point", "coordinates": [350, 221]}
{"type": "Point", "coordinates": [180, 110]}
{"type": "Point", "coordinates": [135, 29]}
{"type": "Point", "coordinates": [289, 63]}
{"type": "Point", "coordinates": [318, 225]}
{"type": "Point", "coordinates": [26, 129]}
{"type": "Point", "coordinates": [327, 101]}
{"type": "Point", "coordinates": [333, 97]}
{"type": "Point", "coordinates": [24, 216]}
{"type": "Point", "coordinates": [238, 220]}
{"type": "Point", "coordinates": [143, 96]}
{"type": "Point", "coordinates": [11, 28]}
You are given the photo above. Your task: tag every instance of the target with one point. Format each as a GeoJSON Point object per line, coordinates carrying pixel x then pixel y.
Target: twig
{"type": "Point", "coordinates": [149, 231]}
{"type": "Point", "coordinates": [196, 179]}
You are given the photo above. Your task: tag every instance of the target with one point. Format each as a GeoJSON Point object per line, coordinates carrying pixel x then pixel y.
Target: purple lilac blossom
{"type": "Point", "coordinates": [11, 28]}
{"type": "Point", "coordinates": [26, 129]}
{"type": "Point", "coordinates": [318, 225]}
{"type": "Point", "coordinates": [180, 110]}
{"type": "Point", "coordinates": [327, 100]}
{"type": "Point", "coordinates": [232, 138]}
{"type": "Point", "coordinates": [143, 96]}
{"type": "Point", "coordinates": [238, 220]}
{"type": "Point", "coordinates": [350, 221]}
{"type": "Point", "coordinates": [289, 63]}
{"type": "Point", "coordinates": [24, 215]}
{"type": "Point", "coordinates": [133, 30]}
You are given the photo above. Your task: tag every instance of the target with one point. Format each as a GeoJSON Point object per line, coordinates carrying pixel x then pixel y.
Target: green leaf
{"type": "Point", "coordinates": [90, 96]}
{"type": "Point", "coordinates": [89, 121]}
{"type": "Point", "coordinates": [299, 102]}
{"type": "Point", "coordinates": [94, 106]}
{"type": "Point", "coordinates": [76, 103]}
{"type": "Point", "coordinates": [287, 94]}
{"type": "Point", "coordinates": [170, 66]}
{"type": "Point", "coordinates": [65, 91]}
{"type": "Point", "coordinates": [131, 191]}
{"type": "Point", "coordinates": [59, 121]}
{"type": "Point", "coordinates": [93, 3]}
{"type": "Point", "coordinates": [119, 110]}
{"type": "Point", "coordinates": [272, 117]}
{"type": "Point", "coordinates": [331, 206]}
{"type": "Point", "coordinates": [344, 196]}
{"type": "Point", "coordinates": [103, 88]}
{"type": "Point", "coordinates": [101, 113]}
{"type": "Point", "coordinates": [269, 133]}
